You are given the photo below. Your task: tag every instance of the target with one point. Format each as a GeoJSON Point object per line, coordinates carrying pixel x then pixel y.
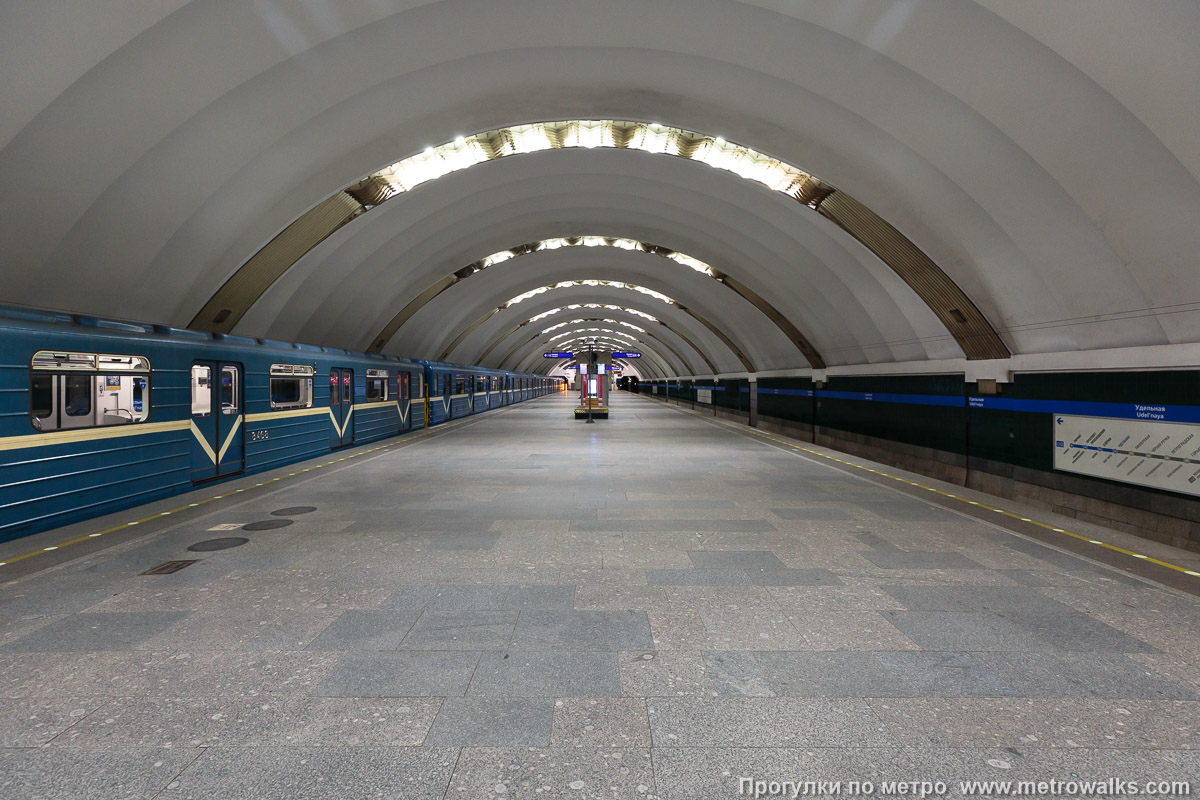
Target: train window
{"type": "Point", "coordinates": [42, 396]}
{"type": "Point", "coordinates": [459, 387]}
{"type": "Point", "coordinates": [141, 398]}
{"type": "Point", "coordinates": [335, 394]}
{"type": "Point", "coordinates": [292, 386]}
{"type": "Point", "coordinates": [67, 392]}
{"type": "Point", "coordinates": [480, 383]}
{"type": "Point", "coordinates": [402, 385]}
{"type": "Point", "coordinates": [201, 390]}
{"type": "Point", "coordinates": [46, 359]}
{"type": "Point", "coordinates": [230, 394]}
{"type": "Point", "coordinates": [77, 395]}
{"type": "Point", "coordinates": [122, 399]}
{"type": "Point", "coordinates": [377, 385]}
{"type": "Point", "coordinates": [124, 363]}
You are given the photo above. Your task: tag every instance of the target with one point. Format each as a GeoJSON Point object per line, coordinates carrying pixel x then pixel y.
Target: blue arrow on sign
{"type": "Point", "coordinates": [1060, 420]}
{"type": "Point", "coordinates": [558, 355]}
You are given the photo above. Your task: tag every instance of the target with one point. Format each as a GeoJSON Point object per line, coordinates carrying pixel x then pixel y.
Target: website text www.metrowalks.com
{"type": "Point", "coordinates": [1076, 787]}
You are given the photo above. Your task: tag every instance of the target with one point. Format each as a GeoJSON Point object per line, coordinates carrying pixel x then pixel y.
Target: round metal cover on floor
{"type": "Point", "coordinates": [267, 525]}
{"type": "Point", "coordinates": [293, 511]}
{"type": "Point", "coordinates": [218, 544]}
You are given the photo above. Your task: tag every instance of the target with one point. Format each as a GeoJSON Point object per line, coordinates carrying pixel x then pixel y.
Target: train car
{"type": "Point", "coordinates": [457, 390]}
{"type": "Point", "coordinates": [98, 415]}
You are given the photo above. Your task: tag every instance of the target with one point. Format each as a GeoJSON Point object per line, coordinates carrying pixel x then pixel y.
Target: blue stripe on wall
{"type": "Point", "coordinates": [1148, 411]}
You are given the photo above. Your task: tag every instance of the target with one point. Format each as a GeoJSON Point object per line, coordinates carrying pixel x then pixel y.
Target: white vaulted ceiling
{"type": "Point", "coordinates": [1043, 156]}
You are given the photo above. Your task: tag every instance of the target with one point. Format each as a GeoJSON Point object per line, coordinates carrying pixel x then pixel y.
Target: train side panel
{"type": "Point", "coordinates": [54, 477]}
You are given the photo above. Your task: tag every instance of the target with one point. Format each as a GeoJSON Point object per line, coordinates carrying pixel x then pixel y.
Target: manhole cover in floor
{"type": "Point", "coordinates": [293, 511]}
{"type": "Point", "coordinates": [267, 525]}
{"type": "Point", "coordinates": [218, 544]}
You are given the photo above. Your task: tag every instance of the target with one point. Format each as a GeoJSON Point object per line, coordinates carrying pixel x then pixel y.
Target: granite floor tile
{"type": "Point", "coordinates": [95, 631]}
{"type": "Point", "coordinates": [352, 722]}
{"type": "Point", "coordinates": [665, 673]}
{"type": "Point", "coordinates": [813, 514]}
{"type": "Point", "coordinates": [896, 559]}
{"type": "Point", "coordinates": [558, 673]}
{"type": "Point", "coordinates": [794, 577]}
{"type": "Point", "coordinates": [492, 722]}
{"type": "Point", "coordinates": [461, 630]}
{"type": "Point", "coordinates": [635, 526]}
{"type": "Point", "coordinates": [365, 630]}
{"type": "Point", "coordinates": [49, 774]}
{"type": "Point", "coordinates": [33, 722]}
{"type": "Point", "coordinates": [723, 576]}
{"type": "Point", "coordinates": [851, 630]}
{"type": "Point", "coordinates": [326, 773]}
{"type": "Point", "coordinates": [175, 722]}
{"type": "Point", "coordinates": [764, 722]}
{"type": "Point", "coordinates": [403, 674]}
{"type": "Point", "coordinates": [735, 559]}
{"type": "Point", "coordinates": [600, 722]}
{"type": "Point", "coordinates": [678, 630]}
{"type": "Point", "coordinates": [557, 773]}
{"type": "Point", "coordinates": [964, 631]}
{"type": "Point", "coordinates": [736, 673]}
{"type": "Point", "coordinates": [583, 630]}
{"type": "Point", "coordinates": [1082, 675]}
{"type": "Point", "coordinates": [1041, 722]}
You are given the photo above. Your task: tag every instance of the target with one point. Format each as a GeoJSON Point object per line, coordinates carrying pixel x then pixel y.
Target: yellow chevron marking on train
{"type": "Point", "coordinates": [745, 430]}
{"type": "Point", "coordinates": [237, 423]}
{"type": "Point", "coordinates": [409, 440]}
{"type": "Point", "coordinates": [341, 429]}
{"type": "Point", "coordinates": [203, 441]}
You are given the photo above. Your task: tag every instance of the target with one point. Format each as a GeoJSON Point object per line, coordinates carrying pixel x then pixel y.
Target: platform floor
{"type": "Point", "coordinates": [654, 606]}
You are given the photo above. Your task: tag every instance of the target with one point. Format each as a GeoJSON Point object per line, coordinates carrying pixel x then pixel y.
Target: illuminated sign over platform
{"type": "Point", "coordinates": [558, 355]}
{"type": "Point", "coordinates": [626, 355]}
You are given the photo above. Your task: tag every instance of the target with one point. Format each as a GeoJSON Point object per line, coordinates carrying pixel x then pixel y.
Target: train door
{"type": "Point", "coordinates": [405, 400]}
{"type": "Point", "coordinates": [341, 406]}
{"type": "Point", "coordinates": [218, 445]}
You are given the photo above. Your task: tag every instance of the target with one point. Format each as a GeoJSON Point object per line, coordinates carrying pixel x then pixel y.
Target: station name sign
{"type": "Point", "coordinates": [626, 355]}
{"type": "Point", "coordinates": [558, 355]}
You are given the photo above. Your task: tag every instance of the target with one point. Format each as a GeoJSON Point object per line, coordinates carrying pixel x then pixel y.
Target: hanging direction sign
{"type": "Point", "coordinates": [1163, 455]}
{"type": "Point", "coordinates": [558, 355]}
{"type": "Point", "coordinates": [626, 355]}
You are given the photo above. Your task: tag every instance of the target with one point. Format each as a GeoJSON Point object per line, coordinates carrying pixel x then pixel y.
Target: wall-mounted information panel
{"type": "Point", "coordinates": [1163, 455]}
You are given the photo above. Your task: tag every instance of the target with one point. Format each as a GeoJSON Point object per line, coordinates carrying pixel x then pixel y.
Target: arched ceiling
{"type": "Point", "coordinates": [1041, 157]}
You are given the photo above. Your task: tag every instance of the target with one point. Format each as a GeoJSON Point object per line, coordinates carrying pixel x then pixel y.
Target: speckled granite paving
{"type": "Point", "coordinates": [532, 607]}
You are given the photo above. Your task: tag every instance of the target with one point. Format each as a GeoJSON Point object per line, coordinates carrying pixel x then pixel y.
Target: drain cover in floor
{"type": "Point", "coordinates": [267, 525]}
{"type": "Point", "coordinates": [168, 567]}
{"type": "Point", "coordinates": [293, 511]}
{"type": "Point", "coordinates": [218, 544]}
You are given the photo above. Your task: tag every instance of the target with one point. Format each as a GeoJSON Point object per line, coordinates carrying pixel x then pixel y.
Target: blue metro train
{"type": "Point", "coordinates": [98, 415]}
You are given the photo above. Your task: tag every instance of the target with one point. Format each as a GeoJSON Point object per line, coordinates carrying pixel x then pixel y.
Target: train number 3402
{"type": "Point", "coordinates": [260, 436]}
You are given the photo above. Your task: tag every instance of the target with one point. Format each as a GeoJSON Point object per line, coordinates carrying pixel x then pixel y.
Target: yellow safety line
{"type": "Point", "coordinates": [416, 438]}
{"type": "Point", "coordinates": [976, 503]}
